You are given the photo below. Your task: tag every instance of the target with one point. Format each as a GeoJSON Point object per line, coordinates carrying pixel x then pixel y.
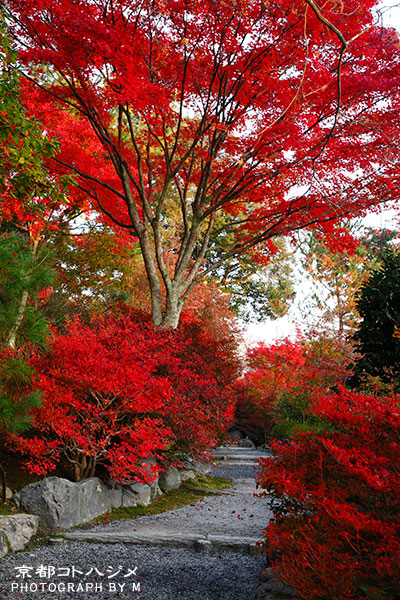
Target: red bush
{"type": "Point", "coordinates": [273, 396]}
{"type": "Point", "coordinates": [336, 502]}
{"type": "Point", "coordinates": [117, 390]}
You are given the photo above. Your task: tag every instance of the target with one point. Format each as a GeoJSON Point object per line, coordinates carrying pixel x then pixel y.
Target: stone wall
{"type": "Point", "coordinates": [60, 503]}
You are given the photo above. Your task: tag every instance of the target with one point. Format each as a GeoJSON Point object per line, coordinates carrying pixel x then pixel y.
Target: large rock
{"type": "Point", "coordinates": [170, 480]}
{"type": "Point", "coordinates": [246, 443]}
{"type": "Point", "coordinates": [3, 544]}
{"type": "Point", "coordinates": [115, 496]}
{"type": "Point", "coordinates": [16, 531]}
{"type": "Point", "coordinates": [187, 474]}
{"type": "Point", "coordinates": [62, 503]}
{"type": "Point", "coordinates": [136, 494]}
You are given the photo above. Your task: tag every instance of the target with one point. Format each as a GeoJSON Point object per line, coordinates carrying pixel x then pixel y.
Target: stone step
{"type": "Point", "coordinates": [197, 541]}
{"type": "Point", "coordinates": [238, 450]}
{"type": "Point", "coordinates": [244, 455]}
{"type": "Point", "coordinates": [242, 458]}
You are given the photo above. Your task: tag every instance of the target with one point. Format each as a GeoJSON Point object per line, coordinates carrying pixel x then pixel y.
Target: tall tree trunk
{"type": "Point", "coordinates": [152, 278]}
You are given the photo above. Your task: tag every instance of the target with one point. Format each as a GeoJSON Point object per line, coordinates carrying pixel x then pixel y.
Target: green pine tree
{"type": "Point", "coordinates": [378, 334]}
{"type": "Point", "coordinates": [24, 273]}
{"type": "Point", "coordinates": [24, 267]}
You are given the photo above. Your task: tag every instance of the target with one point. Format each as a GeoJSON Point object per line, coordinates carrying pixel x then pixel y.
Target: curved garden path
{"type": "Point", "coordinates": [203, 551]}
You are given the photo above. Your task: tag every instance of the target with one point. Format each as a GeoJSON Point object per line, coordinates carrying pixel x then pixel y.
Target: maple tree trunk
{"type": "Point", "coordinates": [152, 277]}
{"type": "Point", "coordinates": [77, 472]}
{"type": "Point", "coordinates": [172, 313]}
{"type": "Point", "coordinates": [89, 469]}
{"type": "Point", "coordinates": [164, 317]}
{"type": "Point", "coordinates": [80, 467]}
{"type": "Point", "coordinates": [84, 467]}
{"type": "Point", "coordinates": [155, 294]}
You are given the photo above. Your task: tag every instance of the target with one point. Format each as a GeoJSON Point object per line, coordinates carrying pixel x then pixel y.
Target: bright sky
{"type": "Point", "coordinates": [268, 331]}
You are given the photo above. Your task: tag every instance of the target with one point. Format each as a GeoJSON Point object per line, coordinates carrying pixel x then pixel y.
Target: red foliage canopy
{"type": "Point", "coordinates": [220, 108]}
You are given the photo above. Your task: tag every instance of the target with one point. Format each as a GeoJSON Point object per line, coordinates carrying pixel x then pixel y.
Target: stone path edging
{"type": "Point", "coordinates": [198, 541]}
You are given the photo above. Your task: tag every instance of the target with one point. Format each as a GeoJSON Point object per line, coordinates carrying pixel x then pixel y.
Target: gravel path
{"type": "Point", "coordinates": [237, 512]}
{"type": "Point", "coordinates": [122, 571]}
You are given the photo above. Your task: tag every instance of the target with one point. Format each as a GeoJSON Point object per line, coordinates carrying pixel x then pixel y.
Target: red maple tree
{"type": "Point", "coordinates": [116, 390]}
{"type": "Point", "coordinates": [215, 112]}
{"type": "Point", "coordinates": [275, 394]}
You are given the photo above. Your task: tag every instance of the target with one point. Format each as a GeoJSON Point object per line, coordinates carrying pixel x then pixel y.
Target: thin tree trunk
{"type": "Point", "coordinates": [12, 336]}
{"type": "Point", "coordinates": [3, 483]}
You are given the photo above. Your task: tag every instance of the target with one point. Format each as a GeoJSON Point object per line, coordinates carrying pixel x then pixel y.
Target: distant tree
{"type": "Point", "coordinates": [260, 282]}
{"type": "Point", "coordinates": [378, 334]}
{"type": "Point", "coordinates": [95, 270]}
{"type": "Point", "coordinates": [336, 273]}
{"type": "Point", "coordinates": [276, 393]}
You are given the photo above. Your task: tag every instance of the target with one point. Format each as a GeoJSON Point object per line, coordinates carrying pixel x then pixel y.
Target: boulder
{"type": "Point", "coordinates": [3, 544]}
{"type": "Point", "coordinates": [62, 503]}
{"type": "Point", "coordinates": [115, 496]}
{"type": "Point", "coordinates": [16, 531]}
{"type": "Point", "coordinates": [187, 474]}
{"type": "Point", "coordinates": [170, 480]}
{"type": "Point", "coordinates": [136, 494]}
{"type": "Point", "coordinates": [246, 443]}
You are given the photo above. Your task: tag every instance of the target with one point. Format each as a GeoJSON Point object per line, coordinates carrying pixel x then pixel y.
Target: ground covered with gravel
{"type": "Point", "coordinates": [159, 573]}
{"type": "Point", "coordinates": [237, 470]}
{"type": "Point", "coordinates": [122, 571]}
{"type": "Point", "coordinates": [236, 512]}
